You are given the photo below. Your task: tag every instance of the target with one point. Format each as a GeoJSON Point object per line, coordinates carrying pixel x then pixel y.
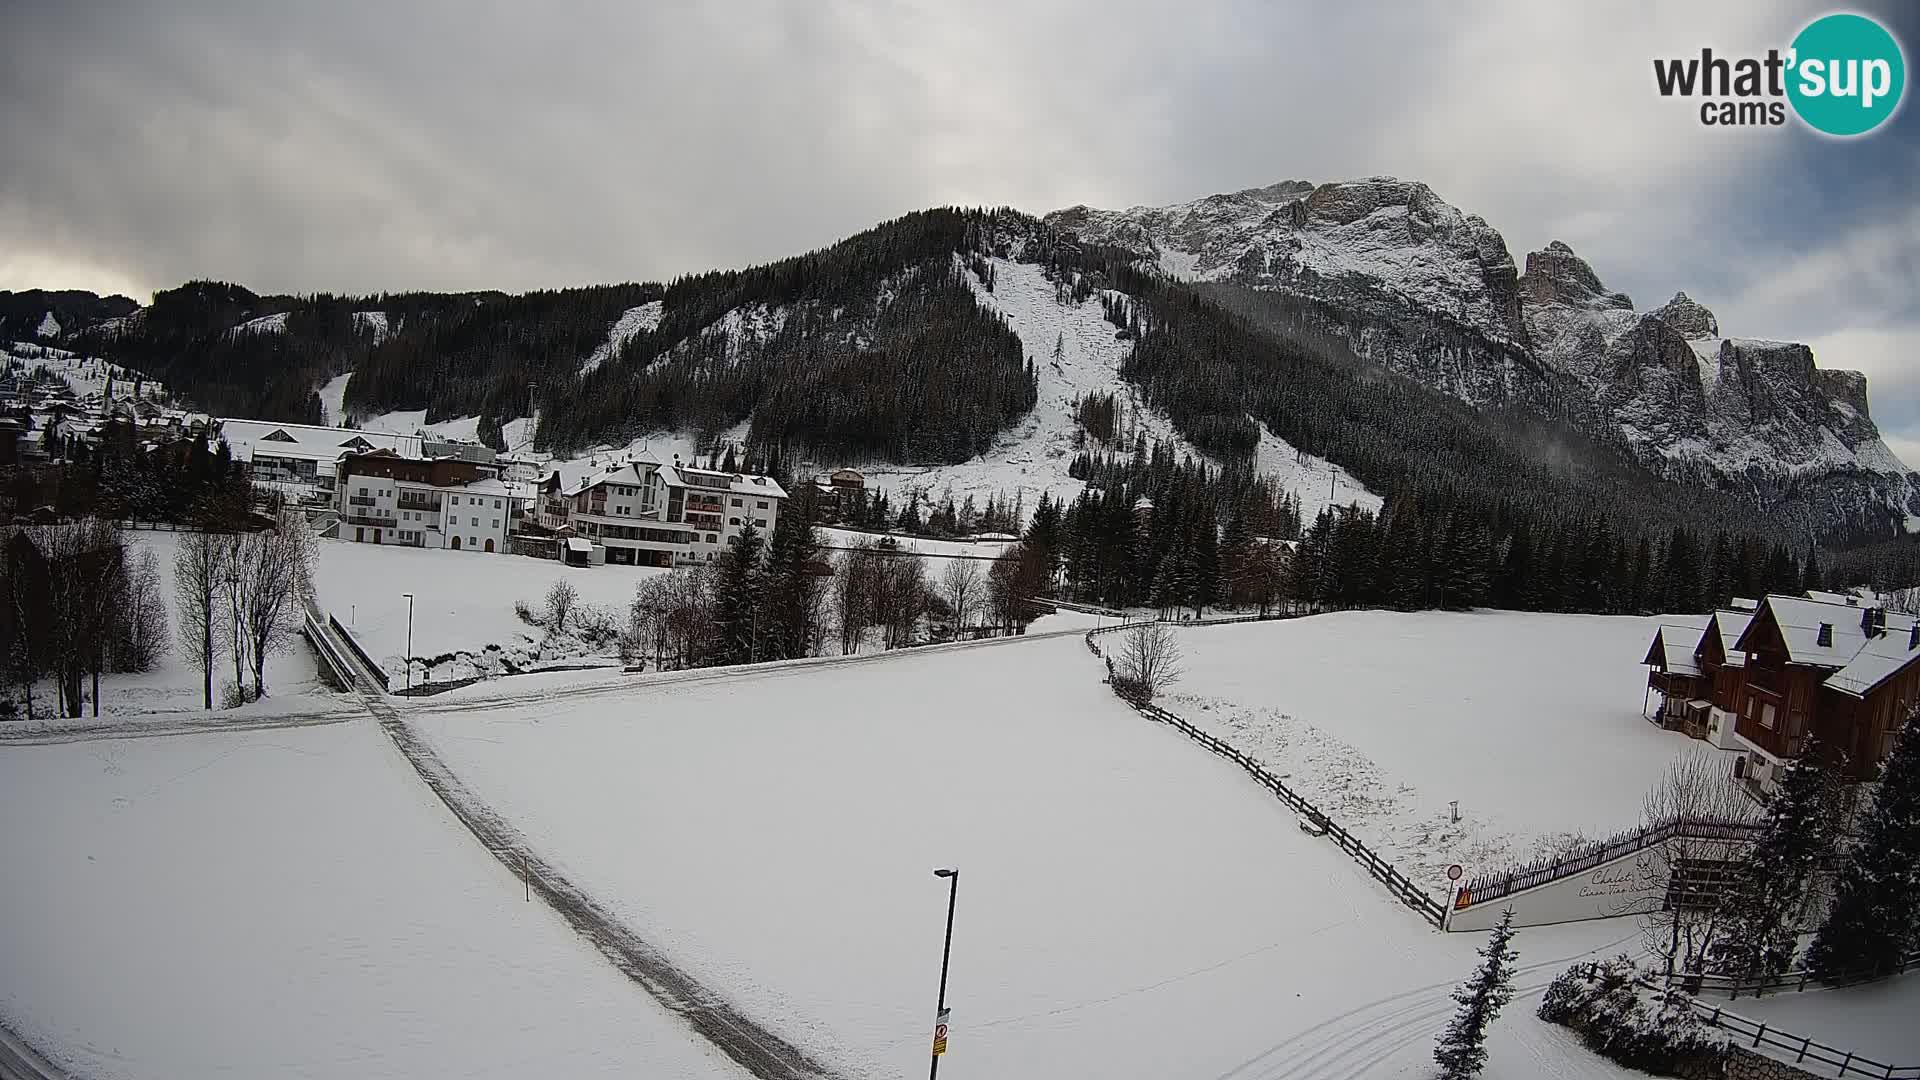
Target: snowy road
{"type": "Point", "coordinates": [756, 1049]}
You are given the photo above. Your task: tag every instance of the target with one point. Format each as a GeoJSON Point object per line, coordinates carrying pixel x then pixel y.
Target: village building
{"type": "Point", "coordinates": [1763, 682]}
{"type": "Point", "coordinates": [641, 512]}
{"type": "Point", "coordinates": [384, 498]}
{"type": "Point", "coordinates": [298, 459]}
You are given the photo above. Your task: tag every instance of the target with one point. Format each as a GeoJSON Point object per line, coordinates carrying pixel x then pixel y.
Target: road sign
{"type": "Point", "coordinates": [1454, 872]}
{"type": "Point", "coordinates": [940, 1033]}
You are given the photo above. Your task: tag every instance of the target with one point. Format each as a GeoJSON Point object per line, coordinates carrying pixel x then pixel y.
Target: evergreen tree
{"type": "Point", "coordinates": [1875, 916]}
{"type": "Point", "coordinates": [737, 598]}
{"type": "Point", "coordinates": [1204, 575]}
{"type": "Point", "coordinates": [1462, 1049]}
{"type": "Point", "coordinates": [1773, 884]}
{"type": "Point", "coordinates": [788, 612]}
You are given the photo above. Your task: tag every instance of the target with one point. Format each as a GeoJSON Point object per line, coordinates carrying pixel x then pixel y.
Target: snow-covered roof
{"type": "Point", "coordinates": [577, 476]}
{"type": "Point", "coordinates": [307, 441]}
{"type": "Point", "coordinates": [1878, 660]}
{"type": "Point", "coordinates": [1741, 603]}
{"type": "Point", "coordinates": [1800, 620]}
{"type": "Point", "coordinates": [579, 544]}
{"type": "Point", "coordinates": [738, 483]}
{"type": "Point", "coordinates": [1730, 625]}
{"type": "Point", "coordinates": [1829, 597]}
{"type": "Point", "coordinates": [1673, 646]}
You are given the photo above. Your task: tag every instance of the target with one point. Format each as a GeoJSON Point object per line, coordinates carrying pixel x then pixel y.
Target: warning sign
{"type": "Point", "coordinates": [940, 1033]}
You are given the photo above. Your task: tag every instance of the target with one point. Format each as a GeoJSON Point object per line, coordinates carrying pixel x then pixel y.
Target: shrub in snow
{"type": "Point", "coordinates": [1620, 1019]}
{"type": "Point", "coordinates": [562, 598]}
{"type": "Point", "coordinates": [525, 611]}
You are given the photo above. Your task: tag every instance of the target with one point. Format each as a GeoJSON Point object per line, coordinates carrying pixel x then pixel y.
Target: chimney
{"type": "Point", "coordinates": [1824, 638]}
{"type": "Point", "coordinates": [1873, 621]}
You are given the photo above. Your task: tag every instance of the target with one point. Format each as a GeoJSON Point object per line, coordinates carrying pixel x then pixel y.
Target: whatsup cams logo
{"type": "Point", "coordinates": [1844, 75]}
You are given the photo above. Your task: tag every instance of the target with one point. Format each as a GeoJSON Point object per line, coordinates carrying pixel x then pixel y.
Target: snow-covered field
{"type": "Point", "coordinates": [1130, 905]}
{"type": "Point", "coordinates": [1532, 722]}
{"type": "Point", "coordinates": [936, 555]}
{"type": "Point", "coordinates": [290, 904]}
{"type": "Point", "coordinates": [463, 600]}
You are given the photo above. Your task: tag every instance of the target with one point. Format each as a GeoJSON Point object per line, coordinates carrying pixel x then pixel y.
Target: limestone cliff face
{"type": "Point", "coordinates": [1433, 293]}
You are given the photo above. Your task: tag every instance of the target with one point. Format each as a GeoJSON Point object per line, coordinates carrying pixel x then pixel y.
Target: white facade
{"type": "Point", "coordinates": [461, 517]}
{"type": "Point", "coordinates": [650, 514]}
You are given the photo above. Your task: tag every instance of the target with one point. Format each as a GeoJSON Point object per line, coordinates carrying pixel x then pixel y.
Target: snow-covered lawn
{"type": "Point", "coordinates": [1130, 906]}
{"type": "Point", "coordinates": [463, 600]}
{"type": "Point", "coordinates": [1874, 1021]}
{"type": "Point", "coordinates": [291, 904]}
{"type": "Point", "coordinates": [1532, 722]}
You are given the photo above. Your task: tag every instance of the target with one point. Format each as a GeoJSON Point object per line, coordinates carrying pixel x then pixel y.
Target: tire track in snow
{"type": "Point", "coordinates": [753, 1047]}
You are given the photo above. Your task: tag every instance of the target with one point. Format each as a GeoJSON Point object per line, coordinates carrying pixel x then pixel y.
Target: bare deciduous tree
{"type": "Point", "coordinates": [278, 573]}
{"type": "Point", "coordinates": [1149, 659]}
{"type": "Point", "coordinates": [1683, 924]}
{"type": "Point", "coordinates": [197, 572]}
{"type": "Point", "coordinates": [962, 583]}
{"type": "Point", "coordinates": [143, 612]}
{"type": "Point", "coordinates": [562, 598]}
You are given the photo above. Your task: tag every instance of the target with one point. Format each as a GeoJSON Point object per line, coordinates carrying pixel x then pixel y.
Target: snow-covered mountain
{"type": "Point", "coordinates": [1433, 293]}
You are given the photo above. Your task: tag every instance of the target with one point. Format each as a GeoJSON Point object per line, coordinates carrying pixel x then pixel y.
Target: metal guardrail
{"type": "Point", "coordinates": [1402, 889]}
{"type": "Point", "coordinates": [1802, 1047]}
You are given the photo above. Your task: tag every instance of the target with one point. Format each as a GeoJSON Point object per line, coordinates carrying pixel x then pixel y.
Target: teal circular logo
{"type": "Point", "coordinates": [1846, 75]}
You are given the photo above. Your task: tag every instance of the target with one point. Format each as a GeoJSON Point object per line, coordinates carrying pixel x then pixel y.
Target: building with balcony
{"type": "Point", "coordinates": [641, 512]}
{"type": "Point", "coordinates": [299, 459]}
{"type": "Point", "coordinates": [1843, 670]}
{"type": "Point", "coordinates": [384, 498]}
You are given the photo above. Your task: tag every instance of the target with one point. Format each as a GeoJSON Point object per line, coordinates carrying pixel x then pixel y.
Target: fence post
{"type": "Point", "coordinates": [1805, 1042]}
{"type": "Point", "coordinates": [1758, 1034]}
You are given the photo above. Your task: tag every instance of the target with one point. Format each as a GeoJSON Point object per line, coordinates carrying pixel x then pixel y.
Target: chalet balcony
{"type": "Point", "coordinates": [419, 504]}
{"type": "Point", "coordinates": [361, 500]}
{"type": "Point", "coordinates": [383, 522]}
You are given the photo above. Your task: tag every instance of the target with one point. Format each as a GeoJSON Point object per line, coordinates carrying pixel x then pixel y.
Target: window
{"type": "Point", "coordinates": [761, 505]}
{"type": "Point", "coordinates": [733, 521]}
{"type": "Point", "coordinates": [496, 523]}
{"type": "Point", "coordinates": [1766, 717]}
{"type": "Point", "coordinates": [471, 541]}
{"type": "Point", "coordinates": [759, 523]}
{"type": "Point", "coordinates": [496, 504]}
{"type": "Point", "coordinates": [363, 491]}
{"type": "Point", "coordinates": [712, 539]}
{"type": "Point", "coordinates": [736, 502]}
{"type": "Point", "coordinates": [455, 500]}
{"type": "Point", "coordinates": [476, 522]}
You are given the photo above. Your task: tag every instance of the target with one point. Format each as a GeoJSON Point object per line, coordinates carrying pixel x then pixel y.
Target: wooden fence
{"type": "Point", "coordinates": [1797, 980]}
{"type": "Point", "coordinates": [1803, 1048]}
{"type": "Point", "coordinates": [1397, 884]}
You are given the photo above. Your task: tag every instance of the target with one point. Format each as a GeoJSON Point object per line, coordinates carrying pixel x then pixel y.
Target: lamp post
{"type": "Point", "coordinates": [952, 874]}
{"type": "Point", "coordinates": [409, 657]}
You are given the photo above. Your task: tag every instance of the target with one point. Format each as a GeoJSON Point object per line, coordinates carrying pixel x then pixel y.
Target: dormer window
{"type": "Point", "coordinates": [1824, 638]}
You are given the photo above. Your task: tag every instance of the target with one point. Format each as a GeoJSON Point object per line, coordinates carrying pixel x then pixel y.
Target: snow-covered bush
{"type": "Point", "coordinates": [1647, 1029]}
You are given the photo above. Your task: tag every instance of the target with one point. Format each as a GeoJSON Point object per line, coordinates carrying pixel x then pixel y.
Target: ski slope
{"type": "Point", "coordinates": [291, 903]}
{"type": "Point", "coordinates": [1130, 906]}
{"type": "Point", "coordinates": [1032, 456]}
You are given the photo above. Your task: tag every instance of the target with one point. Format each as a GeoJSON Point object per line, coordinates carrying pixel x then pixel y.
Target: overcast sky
{"type": "Point", "coordinates": [360, 147]}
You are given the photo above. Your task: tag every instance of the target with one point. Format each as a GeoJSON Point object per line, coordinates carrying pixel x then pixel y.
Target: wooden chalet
{"type": "Point", "coordinates": [1842, 670]}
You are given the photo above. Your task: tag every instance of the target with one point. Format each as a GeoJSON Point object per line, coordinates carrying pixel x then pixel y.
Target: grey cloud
{"type": "Point", "coordinates": [366, 146]}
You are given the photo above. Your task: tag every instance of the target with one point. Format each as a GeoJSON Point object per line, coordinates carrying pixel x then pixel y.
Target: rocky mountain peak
{"type": "Point", "coordinates": [1555, 275]}
{"type": "Point", "coordinates": [1688, 317]}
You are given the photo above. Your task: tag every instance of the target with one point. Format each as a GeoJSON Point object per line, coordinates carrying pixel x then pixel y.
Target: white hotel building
{"type": "Point", "coordinates": [644, 513]}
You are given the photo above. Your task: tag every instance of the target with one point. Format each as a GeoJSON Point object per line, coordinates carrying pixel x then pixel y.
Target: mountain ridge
{"type": "Point", "coordinates": [1442, 301]}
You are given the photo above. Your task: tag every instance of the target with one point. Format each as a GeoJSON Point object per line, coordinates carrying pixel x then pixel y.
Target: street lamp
{"type": "Point", "coordinates": [952, 874]}
{"type": "Point", "coordinates": [409, 657]}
